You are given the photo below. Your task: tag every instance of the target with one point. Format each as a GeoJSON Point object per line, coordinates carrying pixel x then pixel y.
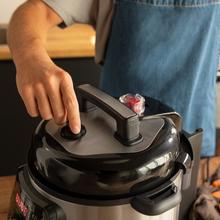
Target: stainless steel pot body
{"type": "Point", "coordinates": [75, 211]}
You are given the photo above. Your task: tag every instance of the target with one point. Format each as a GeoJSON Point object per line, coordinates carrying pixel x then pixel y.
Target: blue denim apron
{"type": "Point", "coordinates": [167, 49]}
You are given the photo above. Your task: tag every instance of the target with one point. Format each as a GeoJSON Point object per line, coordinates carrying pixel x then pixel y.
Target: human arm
{"type": "Point", "coordinates": [45, 88]}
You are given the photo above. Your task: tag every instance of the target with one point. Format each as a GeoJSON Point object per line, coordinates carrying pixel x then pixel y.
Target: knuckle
{"type": "Point", "coordinates": [38, 87]}
{"type": "Point", "coordinates": [49, 82]}
{"type": "Point", "coordinates": [48, 78]}
{"type": "Point", "coordinates": [57, 73]}
{"type": "Point", "coordinates": [22, 93]}
{"type": "Point", "coordinates": [62, 74]}
{"type": "Point", "coordinates": [65, 77]}
{"type": "Point", "coordinates": [59, 114]}
{"type": "Point", "coordinates": [25, 90]}
{"type": "Point", "coordinates": [57, 76]}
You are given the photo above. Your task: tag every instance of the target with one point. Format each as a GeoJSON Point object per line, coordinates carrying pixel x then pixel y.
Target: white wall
{"type": "Point", "coordinates": [7, 7]}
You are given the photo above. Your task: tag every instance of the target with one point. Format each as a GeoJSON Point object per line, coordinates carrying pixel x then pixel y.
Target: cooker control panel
{"type": "Point", "coordinates": [28, 204]}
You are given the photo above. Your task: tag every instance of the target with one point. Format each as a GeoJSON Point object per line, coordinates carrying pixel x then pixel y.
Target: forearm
{"type": "Point", "coordinates": [28, 29]}
{"type": "Point", "coordinates": [45, 88]}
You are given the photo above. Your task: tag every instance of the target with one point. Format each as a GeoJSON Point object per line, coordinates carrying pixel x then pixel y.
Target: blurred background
{"type": "Point", "coordinates": [7, 8]}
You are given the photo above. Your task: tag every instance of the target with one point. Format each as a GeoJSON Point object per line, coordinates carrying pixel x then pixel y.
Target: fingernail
{"type": "Point", "coordinates": [76, 129]}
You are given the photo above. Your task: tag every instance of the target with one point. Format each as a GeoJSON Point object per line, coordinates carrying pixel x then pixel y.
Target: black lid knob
{"type": "Point", "coordinates": [69, 135]}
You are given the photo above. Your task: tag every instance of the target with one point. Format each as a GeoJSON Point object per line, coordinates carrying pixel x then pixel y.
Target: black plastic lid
{"type": "Point", "coordinates": [118, 154]}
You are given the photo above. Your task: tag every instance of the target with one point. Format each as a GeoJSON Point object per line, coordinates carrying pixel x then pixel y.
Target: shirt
{"type": "Point", "coordinates": [97, 13]}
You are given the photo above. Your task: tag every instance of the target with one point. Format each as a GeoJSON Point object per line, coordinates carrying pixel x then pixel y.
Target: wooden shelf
{"type": "Point", "coordinates": [75, 41]}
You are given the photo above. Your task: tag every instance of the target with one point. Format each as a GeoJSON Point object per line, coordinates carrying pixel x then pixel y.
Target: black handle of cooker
{"type": "Point", "coordinates": [127, 120]}
{"type": "Point", "coordinates": [162, 199]}
{"type": "Point", "coordinates": [189, 160]}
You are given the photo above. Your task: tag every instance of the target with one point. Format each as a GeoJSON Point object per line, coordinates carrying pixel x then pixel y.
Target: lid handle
{"type": "Point", "coordinates": [127, 120]}
{"type": "Point", "coordinates": [161, 199]}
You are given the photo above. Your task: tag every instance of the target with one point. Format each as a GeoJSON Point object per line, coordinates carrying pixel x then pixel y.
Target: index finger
{"type": "Point", "coordinates": [71, 105]}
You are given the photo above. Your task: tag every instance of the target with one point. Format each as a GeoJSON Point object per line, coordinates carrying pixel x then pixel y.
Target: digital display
{"type": "Point", "coordinates": [19, 211]}
{"type": "Point", "coordinates": [23, 209]}
{"type": "Point", "coordinates": [28, 204]}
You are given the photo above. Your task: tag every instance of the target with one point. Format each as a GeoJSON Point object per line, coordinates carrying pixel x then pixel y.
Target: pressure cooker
{"type": "Point", "coordinates": [121, 166]}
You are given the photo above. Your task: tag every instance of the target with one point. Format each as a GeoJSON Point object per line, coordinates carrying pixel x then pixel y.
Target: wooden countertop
{"type": "Point", "coordinates": [7, 184]}
{"type": "Point", "coordinates": [75, 41]}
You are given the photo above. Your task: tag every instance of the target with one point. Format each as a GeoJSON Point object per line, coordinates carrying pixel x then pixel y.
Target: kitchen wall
{"type": "Point", "coordinates": [7, 7]}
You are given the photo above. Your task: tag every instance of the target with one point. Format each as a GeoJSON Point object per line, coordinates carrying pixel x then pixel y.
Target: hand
{"type": "Point", "coordinates": [48, 90]}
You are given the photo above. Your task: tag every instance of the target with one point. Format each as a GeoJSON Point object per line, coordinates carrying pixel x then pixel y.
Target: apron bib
{"type": "Point", "coordinates": [168, 50]}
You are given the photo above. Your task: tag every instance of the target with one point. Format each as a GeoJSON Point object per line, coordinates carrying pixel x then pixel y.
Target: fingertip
{"type": "Point", "coordinates": [47, 117]}
{"type": "Point", "coordinates": [75, 128]}
{"type": "Point", "coordinates": [33, 114]}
